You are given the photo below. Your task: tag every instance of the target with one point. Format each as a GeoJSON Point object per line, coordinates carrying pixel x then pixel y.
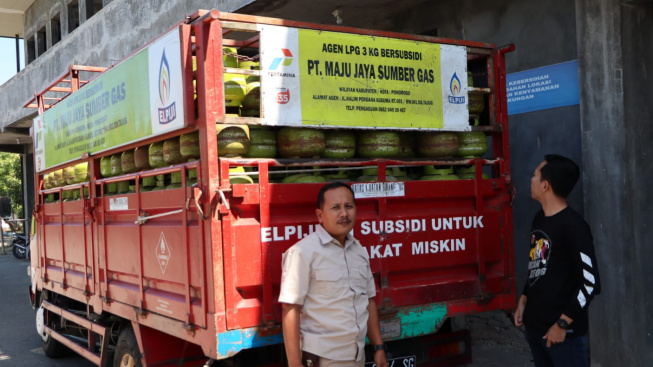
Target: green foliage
{"type": "Point", "coordinates": [11, 181]}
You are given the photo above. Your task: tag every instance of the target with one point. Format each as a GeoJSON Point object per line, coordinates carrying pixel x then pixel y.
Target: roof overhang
{"type": "Point", "coordinates": [11, 17]}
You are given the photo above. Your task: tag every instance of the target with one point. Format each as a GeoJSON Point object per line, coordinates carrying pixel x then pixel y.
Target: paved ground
{"type": "Point", "coordinates": [20, 346]}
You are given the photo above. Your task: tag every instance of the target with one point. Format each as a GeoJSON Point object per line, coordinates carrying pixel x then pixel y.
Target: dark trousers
{"type": "Point", "coordinates": [570, 353]}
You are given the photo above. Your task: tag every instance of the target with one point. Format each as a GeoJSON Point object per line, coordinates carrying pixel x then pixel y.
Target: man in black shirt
{"type": "Point", "coordinates": [563, 276]}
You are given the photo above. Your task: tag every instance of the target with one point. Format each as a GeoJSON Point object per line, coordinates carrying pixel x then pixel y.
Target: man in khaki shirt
{"type": "Point", "coordinates": [327, 290]}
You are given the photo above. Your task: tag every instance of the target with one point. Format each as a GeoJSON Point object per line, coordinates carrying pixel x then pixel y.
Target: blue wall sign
{"type": "Point", "coordinates": [543, 88]}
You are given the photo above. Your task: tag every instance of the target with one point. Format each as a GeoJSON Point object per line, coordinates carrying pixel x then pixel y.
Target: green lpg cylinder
{"type": "Point", "coordinates": [252, 101]}
{"type": "Point", "coordinates": [58, 178]}
{"type": "Point", "coordinates": [476, 101]}
{"type": "Point", "coordinates": [111, 188]}
{"type": "Point", "coordinates": [160, 183]}
{"type": "Point", "coordinates": [236, 176]}
{"type": "Point", "coordinates": [406, 145]}
{"type": "Point", "coordinates": [81, 172]}
{"type": "Point", "coordinates": [339, 144]}
{"type": "Point", "coordinates": [192, 177]}
{"type": "Point", "coordinates": [189, 146]}
{"type": "Point", "coordinates": [233, 140]}
{"type": "Point", "coordinates": [263, 143]}
{"type": "Point", "coordinates": [399, 173]}
{"type": "Point", "coordinates": [378, 144]}
{"type": "Point", "coordinates": [172, 151]}
{"type": "Point", "coordinates": [116, 165]}
{"type": "Point", "coordinates": [127, 161]}
{"type": "Point", "coordinates": [437, 144]}
{"type": "Point", "coordinates": [148, 183]}
{"type": "Point", "coordinates": [371, 174]}
{"type": "Point", "coordinates": [468, 173]}
{"type": "Point", "coordinates": [69, 175]}
{"type": "Point", "coordinates": [116, 170]}
{"type": "Point", "coordinates": [105, 166]}
{"type": "Point", "coordinates": [46, 181]}
{"type": "Point", "coordinates": [47, 184]}
{"type": "Point", "coordinates": [293, 142]}
{"type": "Point", "coordinates": [340, 176]}
{"type": "Point", "coordinates": [175, 181]}
{"type": "Point", "coordinates": [123, 187]}
{"type": "Point", "coordinates": [52, 180]}
{"type": "Point", "coordinates": [155, 155]}
{"type": "Point", "coordinates": [250, 65]}
{"type": "Point", "coordinates": [471, 144]}
{"type": "Point", "coordinates": [431, 173]}
{"type": "Point", "coordinates": [142, 158]}
{"type": "Point", "coordinates": [235, 85]}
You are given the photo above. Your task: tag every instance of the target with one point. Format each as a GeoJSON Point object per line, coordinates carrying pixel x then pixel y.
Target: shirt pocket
{"type": "Point", "coordinates": [360, 276]}
{"type": "Point", "coordinates": [328, 281]}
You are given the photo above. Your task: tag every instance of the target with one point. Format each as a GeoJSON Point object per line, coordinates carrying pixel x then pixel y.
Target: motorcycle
{"type": "Point", "coordinates": [20, 246]}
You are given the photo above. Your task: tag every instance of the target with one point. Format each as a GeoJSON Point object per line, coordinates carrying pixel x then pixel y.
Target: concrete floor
{"type": "Point", "coordinates": [499, 356]}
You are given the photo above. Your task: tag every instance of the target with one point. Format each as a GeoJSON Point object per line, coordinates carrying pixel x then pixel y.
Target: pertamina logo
{"type": "Point", "coordinates": [278, 65]}
{"type": "Point", "coordinates": [286, 60]}
{"type": "Point", "coordinates": [455, 89]}
{"type": "Point", "coordinates": [169, 112]}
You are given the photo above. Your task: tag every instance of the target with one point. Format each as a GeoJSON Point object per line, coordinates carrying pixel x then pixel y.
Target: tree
{"type": "Point", "coordinates": [11, 183]}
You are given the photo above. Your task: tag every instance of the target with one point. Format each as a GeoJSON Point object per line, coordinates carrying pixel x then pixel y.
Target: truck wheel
{"type": "Point", "coordinates": [51, 347]}
{"type": "Point", "coordinates": [127, 352]}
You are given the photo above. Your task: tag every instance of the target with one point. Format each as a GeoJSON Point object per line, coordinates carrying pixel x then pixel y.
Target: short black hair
{"type": "Point", "coordinates": [331, 186]}
{"type": "Point", "coordinates": [561, 172]}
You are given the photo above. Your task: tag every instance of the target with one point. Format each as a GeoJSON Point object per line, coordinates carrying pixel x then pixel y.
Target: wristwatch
{"type": "Point", "coordinates": [562, 323]}
{"type": "Point", "coordinates": [378, 347]}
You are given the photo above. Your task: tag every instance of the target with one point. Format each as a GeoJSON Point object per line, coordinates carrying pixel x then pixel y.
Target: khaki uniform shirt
{"type": "Point", "coordinates": [333, 284]}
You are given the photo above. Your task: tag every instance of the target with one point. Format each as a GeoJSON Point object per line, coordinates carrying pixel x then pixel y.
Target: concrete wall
{"type": "Point", "coordinates": [615, 53]}
{"type": "Point", "coordinates": [544, 33]}
{"type": "Point", "coordinates": [118, 29]}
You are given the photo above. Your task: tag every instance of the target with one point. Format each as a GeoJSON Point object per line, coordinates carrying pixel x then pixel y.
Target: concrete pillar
{"type": "Point", "coordinates": [615, 61]}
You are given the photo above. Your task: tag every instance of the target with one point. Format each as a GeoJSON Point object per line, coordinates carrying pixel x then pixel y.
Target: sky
{"type": "Point", "coordinates": [8, 58]}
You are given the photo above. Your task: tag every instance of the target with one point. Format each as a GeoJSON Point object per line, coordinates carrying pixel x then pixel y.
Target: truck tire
{"type": "Point", "coordinates": [127, 352]}
{"type": "Point", "coordinates": [51, 347]}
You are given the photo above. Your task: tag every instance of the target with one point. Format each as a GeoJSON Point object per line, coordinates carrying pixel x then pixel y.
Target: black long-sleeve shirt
{"type": "Point", "coordinates": [563, 275]}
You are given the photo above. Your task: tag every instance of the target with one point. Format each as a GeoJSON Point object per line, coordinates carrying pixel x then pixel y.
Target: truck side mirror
{"type": "Point", "coordinates": [5, 207]}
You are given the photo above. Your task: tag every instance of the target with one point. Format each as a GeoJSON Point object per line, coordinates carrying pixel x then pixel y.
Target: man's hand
{"type": "Point", "coordinates": [555, 335]}
{"type": "Point", "coordinates": [374, 333]}
{"type": "Point", "coordinates": [380, 359]}
{"type": "Point", "coordinates": [519, 313]}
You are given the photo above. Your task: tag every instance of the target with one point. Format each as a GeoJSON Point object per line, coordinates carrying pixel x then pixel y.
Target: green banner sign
{"type": "Point", "coordinates": [140, 97]}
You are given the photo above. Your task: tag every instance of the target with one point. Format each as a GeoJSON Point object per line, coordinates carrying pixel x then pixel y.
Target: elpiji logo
{"type": "Point", "coordinates": [286, 60]}
{"type": "Point", "coordinates": [168, 112]}
{"type": "Point", "coordinates": [455, 89]}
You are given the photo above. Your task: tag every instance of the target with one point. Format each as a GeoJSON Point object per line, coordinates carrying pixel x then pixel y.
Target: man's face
{"type": "Point", "coordinates": [338, 213]}
{"type": "Point", "coordinates": [536, 182]}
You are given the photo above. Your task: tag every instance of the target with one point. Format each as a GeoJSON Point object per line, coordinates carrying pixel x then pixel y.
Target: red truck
{"type": "Point", "coordinates": [161, 215]}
